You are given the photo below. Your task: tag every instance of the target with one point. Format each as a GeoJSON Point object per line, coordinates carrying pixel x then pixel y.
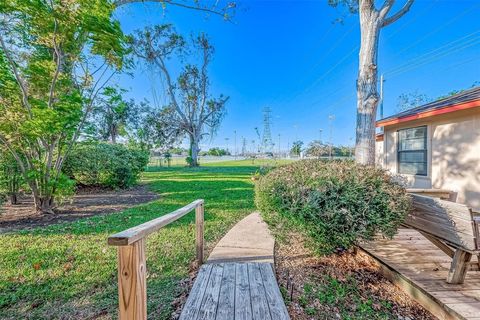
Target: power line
{"type": "Point", "coordinates": [438, 29]}
{"type": "Point", "coordinates": [426, 60]}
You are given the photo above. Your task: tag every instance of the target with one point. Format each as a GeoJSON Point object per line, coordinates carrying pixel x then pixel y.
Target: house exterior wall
{"type": "Point", "coordinates": [453, 144]}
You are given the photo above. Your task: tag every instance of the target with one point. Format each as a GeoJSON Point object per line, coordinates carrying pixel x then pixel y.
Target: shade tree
{"type": "Point", "coordinates": [192, 110]}
{"type": "Point", "coordinates": [55, 57]}
{"type": "Point", "coordinates": [372, 19]}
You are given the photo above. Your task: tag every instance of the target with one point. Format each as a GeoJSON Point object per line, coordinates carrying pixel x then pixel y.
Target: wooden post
{"type": "Point", "coordinates": [132, 286]}
{"type": "Point", "coordinates": [458, 268]}
{"type": "Point", "coordinates": [199, 216]}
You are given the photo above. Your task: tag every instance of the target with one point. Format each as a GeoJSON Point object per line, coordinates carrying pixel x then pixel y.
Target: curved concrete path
{"type": "Point", "coordinates": [248, 241]}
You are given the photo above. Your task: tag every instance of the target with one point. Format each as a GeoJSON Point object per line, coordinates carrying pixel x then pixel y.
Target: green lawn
{"type": "Point", "coordinates": [68, 271]}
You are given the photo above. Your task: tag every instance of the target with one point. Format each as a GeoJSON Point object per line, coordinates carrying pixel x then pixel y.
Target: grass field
{"type": "Point", "coordinates": [67, 271]}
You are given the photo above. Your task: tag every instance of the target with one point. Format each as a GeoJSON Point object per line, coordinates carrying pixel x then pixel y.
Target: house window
{"type": "Point", "coordinates": [412, 151]}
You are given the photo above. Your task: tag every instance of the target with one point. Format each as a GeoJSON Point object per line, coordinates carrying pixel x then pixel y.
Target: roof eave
{"type": "Point", "coordinates": [430, 113]}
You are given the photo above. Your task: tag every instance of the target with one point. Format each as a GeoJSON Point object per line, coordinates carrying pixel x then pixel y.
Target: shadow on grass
{"type": "Point", "coordinates": [69, 271]}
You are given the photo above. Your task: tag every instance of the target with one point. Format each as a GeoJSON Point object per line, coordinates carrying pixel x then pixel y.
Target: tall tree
{"type": "Point", "coordinates": [55, 56]}
{"type": "Point", "coordinates": [192, 110]}
{"type": "Point", "coordinates": [372, 20]}
{"type": "Point", "coordinates": [113, 114]}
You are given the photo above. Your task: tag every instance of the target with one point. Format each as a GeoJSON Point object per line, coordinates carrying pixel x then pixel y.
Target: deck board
{"type": "Point", "coordinates": [235, 291]}
{"type": "Point", "coordinates": [420, 268]}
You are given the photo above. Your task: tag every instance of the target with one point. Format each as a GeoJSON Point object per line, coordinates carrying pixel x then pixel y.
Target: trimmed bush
{"type": "Point", "coordinates": [335, 203]}
{"type": "Point", "coordinates": [105, 165]}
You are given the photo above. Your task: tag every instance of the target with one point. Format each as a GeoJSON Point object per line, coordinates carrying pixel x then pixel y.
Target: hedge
{"type": "Point", "coordinates": [336, 204]}
{"type": "Point", "coordinates": [105, 165]}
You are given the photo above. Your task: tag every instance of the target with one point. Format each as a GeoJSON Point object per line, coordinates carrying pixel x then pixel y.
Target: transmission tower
{"type": "Point", "coordinates": [267, 142]}
{"type": "Point", "coordinates": [244, 146]}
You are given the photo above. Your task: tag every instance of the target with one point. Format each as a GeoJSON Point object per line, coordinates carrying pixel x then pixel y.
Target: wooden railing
{"type": "Point", "coordinates": [132, 285]}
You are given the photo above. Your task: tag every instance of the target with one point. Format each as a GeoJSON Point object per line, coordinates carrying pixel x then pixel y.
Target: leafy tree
{"type": "Point", "coordinates": [296, 148]}
{"type": "Point", "coordinates": [218, 152]}
{"type": "Point", "coordinates": [411, 100]}
{"type": "Point", "coordinates": [192, 110]}
{"type": "Point", "coordinates": [55, 56]}
{"type": "Point", "coordinates": [317, 149]}
{"type": "Point", "coordinates": [113, 114]}
{"type": "Point", "coordinates": [372, 20]}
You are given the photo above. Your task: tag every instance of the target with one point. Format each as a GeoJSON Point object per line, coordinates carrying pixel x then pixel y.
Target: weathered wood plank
{"type": "Point", "coordinates": [452, 222]}
{"type": "Point", "coordinates": [260, 309]}
{"type": "Point", "coordinates": [440, 245]}
{"type": "Point", "coordinates": [208, 308]}
{"type": "Point", "coordinates": [199, 231]}
{"type": "Point", "coordinates": [243, 304]}
{"type": "Point", "coordinates": [458, 270]}
{"type": "Point", "coordinates": [226, 302]}
{"type": "Point", "coordinates": [132, 284]}
{"type": "Point", "coordinates": [277, 307]}
{"type": "Point", "coordinates": [195, 298]}
{"type": "Point", "coordinates": [131, 235]}
{"type": "Point", "coordinates": [422, 274]}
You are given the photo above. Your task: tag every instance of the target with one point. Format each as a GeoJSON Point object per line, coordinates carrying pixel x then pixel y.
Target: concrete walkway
{"type": "Point", "coordinates": [248, 241]}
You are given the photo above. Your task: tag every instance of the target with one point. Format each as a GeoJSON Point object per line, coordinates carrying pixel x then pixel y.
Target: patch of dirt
{"type": "Point", "coordinates": [86, 203]}
{"type": "Point", "coordinates": [296, 267]}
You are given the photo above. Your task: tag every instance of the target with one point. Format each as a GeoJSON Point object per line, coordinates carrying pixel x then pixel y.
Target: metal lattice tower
{"type": "Point", "coordinates": [244, 146]}
{"type": "Point", "coordinates": [267, 142]}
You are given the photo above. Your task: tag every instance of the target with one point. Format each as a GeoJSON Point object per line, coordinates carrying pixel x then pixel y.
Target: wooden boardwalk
{"type": "Point", "coordinates": [233, 291]}
{"type": "Point", "coordinates": [420, 268]}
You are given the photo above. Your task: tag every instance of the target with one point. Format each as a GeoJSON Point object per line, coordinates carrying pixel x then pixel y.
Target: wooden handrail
{"type": "Point", "coordinates": [132, 288]}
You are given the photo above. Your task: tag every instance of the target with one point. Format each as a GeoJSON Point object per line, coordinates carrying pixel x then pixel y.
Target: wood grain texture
{"type": "Point", "coordinates": [195, 298]}
{"type": "Point", "coordinates": [277, 307]}
{"type": "Point", "coordinates": [420, 268]}
{"type": "Point", "coordinates": [132, 286]}
{"type": "Point", "coordinates": [260, 308]}
{"type": "Point", "coordinates": [199, 232]}
{"type": "Point", "coordinates": [449, 221]}
{"type": "Point", "coordinates": [235, 291]}
{"type": "Point", "coordinates": [243, 303]}
{"type": "Point", "coordinates": [458, 269]}
{"type": "Point", "coordinates": [226, 302]}
{"type": "Point", "coordinates": [131, 235]}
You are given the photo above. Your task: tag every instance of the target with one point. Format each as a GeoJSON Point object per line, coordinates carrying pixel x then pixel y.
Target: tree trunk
{"type": "Point", "coordinates": [12, 199]}
{"type": "Point", "coordinates": [194, 150]}
{"type": "Point", "coordinates": [43, 204]}
{"type": "Point", "coordinates": [367, 95]}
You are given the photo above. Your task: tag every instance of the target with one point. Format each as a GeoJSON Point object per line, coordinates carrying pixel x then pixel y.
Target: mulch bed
{"type": "Point", "coordinates": [297, 266]}
{"type": "Point", "coordinates": [86, 203]}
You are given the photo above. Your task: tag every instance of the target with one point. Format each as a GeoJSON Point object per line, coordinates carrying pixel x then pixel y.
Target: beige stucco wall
{"type": "Point", "coordinates": [453, 154]}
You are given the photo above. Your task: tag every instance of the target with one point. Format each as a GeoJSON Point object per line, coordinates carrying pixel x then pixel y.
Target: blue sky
{"type": "Point", "coordinates": [290, 56]}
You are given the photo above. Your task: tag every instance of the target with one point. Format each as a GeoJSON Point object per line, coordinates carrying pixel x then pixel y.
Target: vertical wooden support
{"type": "Point", "coordinates": [458, 268]}
{"type": "Point", "coordinates": [132, 286]}
{"type": "Point", "coordinates": [199, 216]}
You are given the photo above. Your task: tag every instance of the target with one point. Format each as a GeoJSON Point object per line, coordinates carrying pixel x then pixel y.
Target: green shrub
{"type": "Point", "coordinates": [105, 165]}
{"type": "Point", "coordinates": [335, 203]}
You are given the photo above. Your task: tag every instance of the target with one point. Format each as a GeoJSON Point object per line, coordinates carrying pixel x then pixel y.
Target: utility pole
{"type": "Point", "coordinates": [235, 151]}
{"type": "Point", "coordinates": [244, 146]}
{"type": "Point", "coordinates": [330, 120]}
{"type": "Point", "coordinates": [279, 145]}
{"type": "Point", "coordinates": [382, 80]}
{"type": "Point", "coordinates": [226, 144]}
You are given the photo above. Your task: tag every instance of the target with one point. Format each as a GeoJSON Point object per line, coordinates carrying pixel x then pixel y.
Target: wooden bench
{"type": "Point", "coordinates": [451, 227]}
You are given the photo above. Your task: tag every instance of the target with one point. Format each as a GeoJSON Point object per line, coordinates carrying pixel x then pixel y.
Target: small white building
{"type": "Point", "coordinates": [436, 146]}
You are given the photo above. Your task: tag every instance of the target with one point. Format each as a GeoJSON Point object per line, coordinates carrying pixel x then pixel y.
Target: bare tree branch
{"type": "Point", "coordinates": [398, 15]}
{"type": "Point", "coordinates": [385, 9]}
{"type": "Point", "coordinates": [221, 13]}
{"type": "Point", "coordinates": [17, 75]}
